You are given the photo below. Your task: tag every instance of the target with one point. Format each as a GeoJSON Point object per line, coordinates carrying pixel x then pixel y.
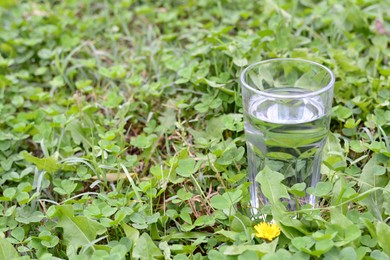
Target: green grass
{"type": "Point", "coordinates": [121, 129]}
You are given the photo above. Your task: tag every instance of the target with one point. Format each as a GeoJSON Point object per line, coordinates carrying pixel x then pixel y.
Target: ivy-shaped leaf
{"type": "Point", "coordinates": [49, 164]}
{"type": "Point", "coordinates": [79, 231]}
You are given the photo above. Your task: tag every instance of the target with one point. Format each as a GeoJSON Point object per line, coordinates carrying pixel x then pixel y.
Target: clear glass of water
{"type": "Point", "coordinates": [287, 104]}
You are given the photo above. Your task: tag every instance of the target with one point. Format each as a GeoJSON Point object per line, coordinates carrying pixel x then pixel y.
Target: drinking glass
{"type": "Point", "coordinates": [287, 104]}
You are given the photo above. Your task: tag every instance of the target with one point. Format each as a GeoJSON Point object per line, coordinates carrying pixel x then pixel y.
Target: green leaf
{"type": "Point", "coordinates": [60, 191]}
{"type": "Point", "coordinates": [131, 233]}
{"type": "Point", "coordinates": [366, 240]}
{"type": "Point", "coordinates": [341, 112]}
{"type": "Point", "coordinates": [145, 249]}
{"type": "Point", "coordinates": [383, 236]}
{"type": "Point", "coordinates": [233, 197]}
{"type": "Point", "coordinates": [186, 217]}
{"type": "Point", "coordinates": [48, 240]}
{"type": "Point", "coordinates": [378, 255]}
{"type": "Point", "coordinates": [113, 100]}
{"type": "Point", "coordinates": [322, 247]}
{"type": "Point", "coordinates": [213, 254]}
{"type": "Point", "coordinates": [298, 189]}
{"type": "Point", "coordinates": [9, 193]}
{"type": "Point", "coordinates": [379, 170]}
{"type": "Point", "coordinates": [68, 185]}
{"type": "Point", "coordinates": [248, 255]}
{"type": "Point", "coordinates": [302, 242]}
{"type": "Point", "coordinates": [279, 254]}
{"type": "Point", "coordinates": [233, 236]}
{"type": "Point", "coordinates": [369, 180]}
{"type": "Point", "coordinates": [186, 167]}
{"type": "Point", "coordinates": [347, 231]}
{"type": "Point", "coordinates": [231, 155]}
{"type": "Point", "coordinates": [321, 189]}
{"type": "Point", "coordinates": [115, 72]}
{"type": "Point", "coordinates": [240, 61]}
{"type": "Point", "coordinates": [213, 84]}
{"type": "Point", "coordinates": [45, 53]}
{"type": "Point", "coordinates": [173, 63]}
{"type": "Point", "coordinates": [205, 221]}
{"type": "Point", "coordinates": [219, 202]}
{"type": "Point", "coordinates": [271, 186]}
{"type": "Point", "coordinates": [18, 233]}
{"type": "Point", "coordinates": [347, 253]}
{"type": "Point", "coordinates": [7, 251]}
{"type": "Point", "coordinates": [240, 223]}
{"type": "Point", "coordinates": [57, 82]}
{"type": "Point", "coordinates": [79, 133]}
{"type": "Point", "coordinates": [227, 201]}
{"type": "Point", "coordinates": [168, 119]}
{"type": "Point", "coordinates": [344, 61]}
{"type": "Point", "coordinates": [79, 231]}
{"type": "Point", "coordinates": [22, 197]}
{"type": "Point", "coordinates": [142, 141]}
{"type": "Point", "coordinates": [262, 249]}
{"type": "Point", "coordinates": [183, 195]}
{"type": "Point", "coordinates": [49, 164]}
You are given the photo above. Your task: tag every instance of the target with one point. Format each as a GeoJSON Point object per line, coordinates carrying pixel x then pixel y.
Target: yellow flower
{"type": "Point", "coordinates": [267, 231]}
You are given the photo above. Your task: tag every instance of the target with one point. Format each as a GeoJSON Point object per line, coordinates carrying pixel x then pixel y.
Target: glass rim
{"type": "Point", "coordinates": [263, 93]}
